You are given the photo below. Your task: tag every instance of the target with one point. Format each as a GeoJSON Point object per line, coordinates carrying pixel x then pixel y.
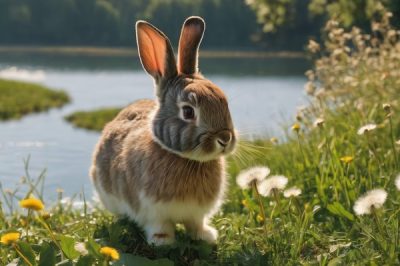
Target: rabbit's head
{"type": "Point", "coordinates": [192, 118]}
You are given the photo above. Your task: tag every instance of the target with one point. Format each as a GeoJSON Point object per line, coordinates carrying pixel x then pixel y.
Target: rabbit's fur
{"type": "Point", "coordinates": [154, 162]}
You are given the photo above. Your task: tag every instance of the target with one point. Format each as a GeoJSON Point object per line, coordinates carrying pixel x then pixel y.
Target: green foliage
{"type": "Point", "coordinates": [92, 120]}
{"type": "Point", "coordinates": [231, 23]}
{"type": "Point", "coordinates": [275, 14]}
{"type": "Point", "coordinates": [20, 98]}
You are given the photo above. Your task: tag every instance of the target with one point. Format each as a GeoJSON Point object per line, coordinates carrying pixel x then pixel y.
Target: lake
{"type": "Point", "coordinates": [263, 93]}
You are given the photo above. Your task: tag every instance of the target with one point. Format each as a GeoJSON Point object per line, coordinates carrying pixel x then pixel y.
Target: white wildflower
{"type": "Point", "coordinates": [397, 182]}
{"type": "Point", "coordinates": [372, 199]}
{"type": "Point", "coordinates": [319, 122]}
{"type": "Point", "coordinates": [310, 88]}
{"type": "Point", "coordinates": [365, 129]}
{"type": "Point", "coordinates": [257, 174]}
{"type": "Point", "coordinates": [292, 192]}
{"type": "Point", "coordinates": [81, 248]}
{"type": "Point", "coordinates": [274, 182]}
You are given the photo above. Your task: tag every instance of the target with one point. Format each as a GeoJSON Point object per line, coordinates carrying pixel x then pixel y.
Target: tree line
{"type": "Point", "coordinates": [231, 24]}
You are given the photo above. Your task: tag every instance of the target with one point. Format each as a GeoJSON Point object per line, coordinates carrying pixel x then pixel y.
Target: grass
{"type": "Point", "coordinates": [92, 120]}
{"type": "Point", "coordinates": [356, 81]}
{"type": "Point", "coordinates": [20, 98]}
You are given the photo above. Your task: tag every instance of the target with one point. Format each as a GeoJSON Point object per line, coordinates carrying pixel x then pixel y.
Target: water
{"type": "Point", "coordinates": [262, 94]}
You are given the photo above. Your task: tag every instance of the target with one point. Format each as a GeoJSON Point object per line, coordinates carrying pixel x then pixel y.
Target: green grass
{"type": "Point", "coordinates": [319, 227]}
{"type": "Point", "coordinates": [92, 120]}
{"type": "Point", "coordinates": [20, 98]}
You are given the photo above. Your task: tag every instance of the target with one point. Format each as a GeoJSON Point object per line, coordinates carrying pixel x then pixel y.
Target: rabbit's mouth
{"type": "Point", "coordinates": [211, 147]}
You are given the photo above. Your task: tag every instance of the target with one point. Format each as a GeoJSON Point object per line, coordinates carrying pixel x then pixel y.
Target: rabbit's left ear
{"type": "Point", "coordinates": [189, 42]}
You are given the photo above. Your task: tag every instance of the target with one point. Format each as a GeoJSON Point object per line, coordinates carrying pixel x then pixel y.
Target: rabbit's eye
{"type": "Point", "coordinates": [188, 112]}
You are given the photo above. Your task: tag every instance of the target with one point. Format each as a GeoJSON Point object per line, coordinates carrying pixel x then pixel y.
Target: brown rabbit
{"type": "Point", "coordinates": [161, 162]}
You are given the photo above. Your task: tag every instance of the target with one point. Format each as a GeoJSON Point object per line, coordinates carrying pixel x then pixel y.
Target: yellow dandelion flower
{"type": "Point", "coordinates": [31, 203]}
{"type": "Point", "coordinates": [296, 127]}
{"type": "Point", "coordinates": [110, 252]}
{"type": "Point", "coordinates": [274, 140]}
{"type": "Point", "coordinates": [9, 238]}
{"type": "Point", "coordinates": [259, 218]}
{"type": "Point", "coordinates": [347, 159]}
{"type": "Point", "coordinates": [244, 203]}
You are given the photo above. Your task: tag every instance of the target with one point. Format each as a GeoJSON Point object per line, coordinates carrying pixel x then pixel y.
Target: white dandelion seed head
{"type": "Point", "coordinates": [364, 129]}
{"type": "Point", "coordinates": [266, 186]}
{"type": "Point", "coordinates": [372, 199]}
{"type": "Point", "coordinates": [397, 182]}
{"type": "Point", "coordinates": [246, 177]}
{"type": "Point", "coordinates": [292, 192]}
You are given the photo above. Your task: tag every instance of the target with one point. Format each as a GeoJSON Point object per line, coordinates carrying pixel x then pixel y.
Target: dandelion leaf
{"type": "Point", "coordinates": [338, 209]}
{"type": "Point", "coordinates": [47, 255]}
{"type": "Point", "coordinates": [27, 251]}
{"type": "Point", "coordinates": [68, 247]}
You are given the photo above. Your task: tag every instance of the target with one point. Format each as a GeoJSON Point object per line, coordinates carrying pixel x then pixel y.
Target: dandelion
{"type": "Point", "coordinates": [110, 253]}
{"type": "Point", "coordinates": [291, 192]}
{"type": "Point", "coordinates": [397, 182]}
{"type": "Point", "coordinates": [259, 218]}
{"type": "Point", "coordinates": [319, 122]}
{"type": "Point", "coordinates": [296, 127]}
{"type": "Point", "coordinates": [347, 159]}
{"type": "Point", "coordinates": [365, 129]}
{"type": "Point", "coordinates": [9, 238]}
{"type": "Point", "coordinates": [267, 186]}
{"type": "Point", "coordinates": [254, 174]}
{"type": "Point", "coordinates": [373, 199]}
{"type": "Point", "coordinates": [32, 204]}
{"type": "Point", "coordinates": [81, 248]}
{"type": "Point", "coordinates": [274, 140]}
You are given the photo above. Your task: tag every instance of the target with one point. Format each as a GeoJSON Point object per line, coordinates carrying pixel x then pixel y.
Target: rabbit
{"type": "Point", "coordinates": [161, 162]}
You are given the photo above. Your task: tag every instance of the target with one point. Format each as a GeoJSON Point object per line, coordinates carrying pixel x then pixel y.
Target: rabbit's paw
{"type": "Point", "coordinates": [159, 239]}
{"type": "Point", "coordinates": [160, 235]}
{"type": "Point", "coordinates": [207, 233]}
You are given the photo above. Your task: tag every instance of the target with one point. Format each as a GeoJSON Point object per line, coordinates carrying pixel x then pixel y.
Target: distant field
{"type": "Point", "coordinates": [20, 98]}
{"type": "Point", "coordinates": [128, 51]}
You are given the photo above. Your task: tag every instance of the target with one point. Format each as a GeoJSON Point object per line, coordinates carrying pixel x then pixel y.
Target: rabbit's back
{"type": "Point", "coordinates": [109, 168]}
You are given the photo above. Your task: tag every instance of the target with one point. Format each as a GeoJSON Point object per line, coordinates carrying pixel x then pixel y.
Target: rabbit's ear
{"type": "Point", "coordinates": [189, 42]}
{"type": "Point", "coordinates": [155, 51]}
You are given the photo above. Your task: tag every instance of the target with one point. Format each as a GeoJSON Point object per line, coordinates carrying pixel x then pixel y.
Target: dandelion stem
{"type": "Point", "coordinates": [378, 224]}
{"type": "Point", "coordinates": [301, 149]}
{"type": "Point", "coordinates": [21, 255]}
{"type": "Point", "coordinates": [372, 147]}
{"type": "Point", "coordinates": [296, 204]}
{"type": "Point", "coordinates": [393, 146]}
{"type": "Point", "coordinates": [254, 184]}
{"type": "Point", "coordinates": [52, 236]}
{"type": "Point", "coordinates": [27, 225]}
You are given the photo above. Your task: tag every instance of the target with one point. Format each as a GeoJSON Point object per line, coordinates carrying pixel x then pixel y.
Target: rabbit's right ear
{"type": "Point", "coordinates": [155, 51]}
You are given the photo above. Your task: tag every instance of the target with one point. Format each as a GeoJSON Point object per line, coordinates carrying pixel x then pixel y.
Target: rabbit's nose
{"type": "Point", "coordinates": [224, 137]}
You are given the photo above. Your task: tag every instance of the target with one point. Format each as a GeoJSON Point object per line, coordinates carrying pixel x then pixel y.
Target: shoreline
{"type": "Point", "coordinates": [125, 51]}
